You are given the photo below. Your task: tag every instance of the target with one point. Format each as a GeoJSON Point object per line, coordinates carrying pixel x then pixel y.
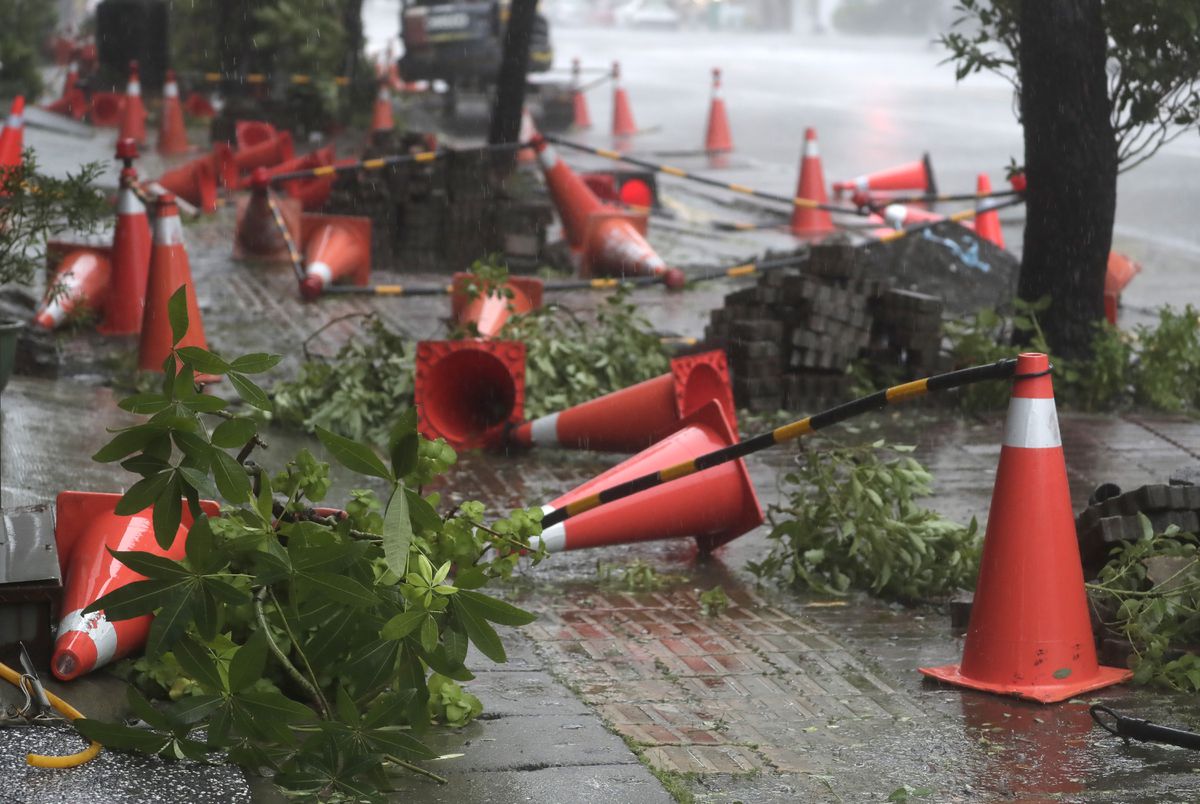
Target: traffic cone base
{"type": "Point", "coordinates": [80, 284]}
{"type": "Point", "coordinates": [469, 392]}
{"type": "Point", "coordinates": [714, 506]}
{"type": "Point", "coordinates": [336, 248]}
{"type": "Point", "coordinates": [489, 312]}
{"type": "Point", "coordinates": [1030, 633]}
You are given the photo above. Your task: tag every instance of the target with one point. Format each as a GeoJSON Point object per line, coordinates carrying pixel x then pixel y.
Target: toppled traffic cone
{"type": "Point", "coordinates": [80, 285]}
{"type": "Point", "coordinates": [267, 153]}
{"type": "Point", "coordinates": [469, 392]}
{"type": "Point", "coordinates": [604, 241]}
{"type": "Point", "coordinates": [336, 247]}
{"type": "Point", "coordinates": [714, 506]}
{"type": "Point", "coordinates": [808, 221]}
{"type": "Point", "coordinates": [248, 133]}
{"type": "Point", "coordinates": [196, 181]}
{"type": "Point", "coordinates": [492, 307]}
{"type": "Point", "coordinates": [526, 156]}
{"type": "Point", "coordinates": [124, 309]}
{"type": "Point", "coordinates": [86, 528]}
{"type": "Point", "coordinates": [900, 215]}
{"type": "Point", "coordinates": [258, 235]}
{"type": "Point", "coordinates": [717, 138]}
{"type": "Point", "coordinates": [916, 175]}
{"type": "Point", "coordinates": [169, 271]}
{"type": "Point", "coordinates": [106, 109]}
{"type": "Point", "coordinates": [172, 134]}
{"type": "Point", "coordinates": [622, 116]}
{"type": "Point", "coordinates": [381, 116]}
{"type": "Point", "coordinates": [196, 105]}
{"type": "Point", "coordinates": [987, 224]}
{"type": "Point", "coordinates": [312, 193]}
{"type": "Point", "coordinates": [1121, 271]}
{"type": "Point", "coordinates": [1030, 633]}
{"type": "Point", "coordinates": [72, 102]}
{"type": "Point", "coordinates": [133, 115]}
{"type": "Point", "coordinates": [582, 117]}
{"type": "Point", "coordinates": [12, 138]}
{"type": "Point", "coordinates": [633, 418]}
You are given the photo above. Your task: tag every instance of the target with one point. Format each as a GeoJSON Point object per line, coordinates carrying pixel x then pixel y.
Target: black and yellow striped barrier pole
{"type": "Point", "coordinates": [379, 163]}
{"type": "Point", "coordinates": [880, 203]}
{"type": "Point", "coordinates": [293, 251]}
{"type": "Point", "coordinates": [263, 78]}
{"type": "Point", "coordinates": [957, 217]}
{"type": "Point", "coordinates": [1000, 370]}
{"type": "Point", "coordinates": [680, 173]}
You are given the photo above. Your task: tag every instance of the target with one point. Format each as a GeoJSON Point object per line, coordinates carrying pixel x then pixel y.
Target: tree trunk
{"type": "Point", "coordinates": [1071, 165]}
{"type": "Point", "coordinates": [353, 25]}
{"type": "Point", "coordinates": [514, 66]}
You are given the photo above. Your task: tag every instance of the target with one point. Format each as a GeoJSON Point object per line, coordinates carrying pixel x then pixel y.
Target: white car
{"type": "Point", "coordinates": [648, 14]}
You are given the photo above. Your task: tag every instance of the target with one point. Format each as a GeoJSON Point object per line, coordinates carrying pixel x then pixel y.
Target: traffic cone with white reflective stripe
{"type": "Point", "coordinates": [633, 418]}
{"type": "Point", "coordinates": [80, 284]}
{"type": "Point", "coordinates": [12, 138]}
{"type": "Point", "coordinates": [336, 247]}
{"type": "Point", "coordinates": [713, 506]}
{"type": "Point", "coordinates": [172, 134]}
{"type": "Point", "coordinates": [133, 116]}
{"type": "Point", "coordinates": [125, 306]}
{"type": "Point", "coordinates": [582, 117]}
{"type": "Point", "coordinates": [987, 224]}
{"type": "Point", "coordinates": [381, 117]}
{"type": "Point", "coordinates": [717, 138]}
{"type": "Point", "coordinates": [808, 221]}
{"type": "Point", "coordinates": [72, 102]}
{"type": "Point", "coordinates": [622, 115]}
{"type": "Point", "coordinates": [258, 235]}
{"type": "Point", "coordinates": [1030, 633]}
{"type": "Point", "coordinates": [169, 271]}
{"type": "Point", "coordinates": [916, 175]}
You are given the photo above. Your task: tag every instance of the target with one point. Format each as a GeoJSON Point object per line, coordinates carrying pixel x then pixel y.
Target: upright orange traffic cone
{"type": "Point", "coordinates": [172, 134]}
{"type": "Point", "coordinates": [633, 418]}
{"type": "Point", "coordinates": [582, 117]}
{"type": "Point", "coordinates": [258, 235]}
{"type": "Point", "coordinates": [916, 175]}
{"type": "Point", "coordinates": [622, 115]}
{"type": "Point", "coordinates": [124, 309]}
{"type": "Point", "coordinates": [526, 156]}
{"type": "Point", "coordinates": [381, 117]}
{"type": "Point", "coordinates": [469, 392]}
{"type": "Point", "coordinates": [714, 506]}
{"type": "Point", "coordinates": [80, 284]}
{"type": "Point", "coordinates": [1120, 272]}
{"type": "Point", "coordinates": [12, 138]}
{"type": "Point", "coordinates": [336, 247]}
{"type": "Point", "coordinates": [717, 138]}
{"type": "Point", "coordinates": [987, 224]}
{"type": "Point", "coordinates": [133, 116]}
{"type": "Point", "coordinates": [489, 311]}
{"type": "Point", "coordinates": [1030, 633]}
{"type": "Point", "coordinates": [806, 221]}
{"type": "Point", "coordinates": [86, 528]}
{"type": "Point", "coordinates": [169, 271]}
{"type": "Point", "coordinates": [72, 102]}
{"type": "Point", "coordinates": [604, 241]}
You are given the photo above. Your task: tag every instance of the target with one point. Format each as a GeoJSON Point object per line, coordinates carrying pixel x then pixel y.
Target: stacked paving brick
{"type": "Point", "coordinates": [907, 331]}
{"type": "Point", "coordinates": [1108, 523]}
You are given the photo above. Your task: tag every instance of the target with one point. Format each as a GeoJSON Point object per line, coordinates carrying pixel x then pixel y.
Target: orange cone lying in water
{"type": "Point", "coordinates": [80, 284]}
{"type": "Point", "coordinates": [633, 418]}
{"type": "Point", "coordinates": [1030, 634]}
{"type": "Point", "coordinates": [169, 271]}
{"type": "Point", "coordinates": [126, 304]}
{"type": "Point", "coordinates": [714, 506]}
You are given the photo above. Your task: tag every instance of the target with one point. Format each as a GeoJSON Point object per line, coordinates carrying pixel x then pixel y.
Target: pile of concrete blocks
{"type": "Point", "coordinates": [907, 331]}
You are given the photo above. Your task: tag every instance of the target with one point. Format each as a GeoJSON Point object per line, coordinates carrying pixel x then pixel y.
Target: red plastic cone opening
{"type": "Point", "coordinates": [468, 391]}
{"type": "Point", "coordinates": [700, 379]}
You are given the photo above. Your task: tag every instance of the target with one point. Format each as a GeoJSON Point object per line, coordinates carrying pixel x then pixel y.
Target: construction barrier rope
{"type": "Point", "coordinates": [293, 252]}
{"type": "Point", "coordinates": [957, 217]}
{"type": "Point", "coordinates": [881, 203]}
{"type": "Point", "coordinates": [381, 162]}
{"type": "Point", "coordinates": [679, 173]}
{"type": "Point", "coordinates": [1000, 370]}
{"type": "Point", "coordinates": [68, 711]}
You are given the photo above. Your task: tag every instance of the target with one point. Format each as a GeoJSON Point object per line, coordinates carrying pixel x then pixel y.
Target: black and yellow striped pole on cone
{"type": "Point", "coordinates": [554, 518]}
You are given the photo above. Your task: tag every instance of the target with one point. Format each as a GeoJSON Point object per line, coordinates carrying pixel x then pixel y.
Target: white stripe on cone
{"type": "Point", "coordinates": [862, 184]}
{"type": "Point", "coordinates": [128, 203]}
{"type": "Point", "coordinates": [548, 158]}
{"type": "Point", "coordinates": [168, 231]}
{"type": "Point", "coordinates": [97, 627]}
{"type": "Point", "coordinates": [811, 151]}
{"type": "Point", "coordinates": [543, 431]}
{"type": "Point", "coordinates": [55, 311]}
{"type": "Point", "coordinates": [134, 88]}
{"type": "Point", "coordinates": [1032, 424]}
{"type": "Point", "coordinates": [170, 90]}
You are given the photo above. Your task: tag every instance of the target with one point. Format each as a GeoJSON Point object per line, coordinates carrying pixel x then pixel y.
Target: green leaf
{"type": "Point", "coordinates": [397, 533]}
{"type": "Point", "coordinates": [198, 663]}
{"type": "Point", "coordinates": [198, 480]}
{"type": "Point", "coordinates": [168, 512]}
{"type": "Point", "coordinates": [255, 363]}
{"type": "Point", "coordinates": [202, 403]}
{"type": "Point", "coordinates": [341, 588]}
{"type": "Point", "coordinates": [170, 622]}
{"type": "Point", "coordinates": [248, 663]}
{"type": "Point", "coordinates": [354, 456]}
{"type": "Point", "coordinates": [201, 360]}
{"type": "Point", "coordinates": [144, 403]}
{"type": "Point", "coordinates": [495, 610]}
{"type": "Point", "coordinates": [234, 433]}
{"type": "Point", "coordinates": [133, 600]}
{"type": "Point", "coordinates": [422, 515]}
{"type": "Point", "coordinates": [479, 632]}
{"type": "Point", "coordinates": [454, 642]}
{"type": "Point", "coordinates": [145, 710]}
{"type": "Point", "coordinates": [225, 592]}
{"type": "Point", "coordinates": [195, 708]}
{"type": "Point", "coordinates": [393, 740]}
{"type": "Point", "coordinates": [275, 706]}
{"type": "Point", "coordinates": [371, 663]}
{"type": "Point", "coordinates": [231, 478]}
{"type": "Point", "coordinates": [429, 635]}
{"type": "Point", "coordinates": [144, 465]}
{"type": "Point", "coordinates": [403, 444]}
{"type": "Point", "coordinates": [200, 547]}
{"type": "Point", "coordinates": [125, 443]}
{"type": "Point", "coordinates": [142, 494]}
{"type": "Point", "coordinates": [120, 738]}
{"type": "Point", "coordinates": [154, 567]}
{"type": "Point", "coordinates": [402, 625]}
{"type": "Point", "coordinates": [177, 314]}
{"type": "Point", "coordinates": [250, 392]}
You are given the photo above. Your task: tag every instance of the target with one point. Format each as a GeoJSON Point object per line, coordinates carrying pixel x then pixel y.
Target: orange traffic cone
{"type": "Point", "coordinates": [1030, 633]}
{"type": "Point", "coordinates": [582, 118]}
{"type": "Point", "coordinates": [12, 138]}
{"type": "Point", "coordinates": [172, 135]}
{"type": "Point", "coordinates": [196, 105]}
{"type": "Point", "coordinates": [987, 224]}
{"type": "Point", "coordinates": [267, 153]}
{"type": "Point", "coordinates": [622, 116]}
{"type": "Point", "coordinates": [106, 108]}
{"type": "Point", "coordinates": [807, 222]}
{"type": "Point", "coordinates": [714, 506]}
{"type": "Point", "coordinates": [1121, 271]}
{"type": "Point", "coordinates": [916, 175]}
{"type": "Point", "coordinates": [604, 241]}
{"type": "Point", "coordinates": [194, 182]}
{"type": "Point", "coordinates": [900, 215]}
{"type": "Point", "coordinates": [469, 392]}
{"type": "Point", "coordinates": [633, 418]}
{"type": "Point", "coordinates": [248, 133]}
{"type": "Point", "coordinates": [80, 284]}
{"type": "Point", "coordinates": [336, 247]}
{"type": "Point", "coordinates": [312, 193]}
{"type": "Point", "coordinates": [133, 116]}
{"type": "Point", "coordinates": [257, 235]}
{"type": "Point", "coordinates": [526, 156]}
{"type": "Point", "coordinates": [381, 117]}
{"type": "Point", "coordinates": [72, 102]}
{"type": "Point", "coordinates": [86, 528]}
{"type": "Point", "coordinates": [169, 271]}
{"type": "Point", "coordinates": [488, 311]}
{"type": "Point", "coordinates": [124, 310]}
{"type": "Point", "coordinates": [717, 138]}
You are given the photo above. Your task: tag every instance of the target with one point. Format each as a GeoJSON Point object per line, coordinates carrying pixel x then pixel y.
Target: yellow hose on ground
{"type": "Point", "coordinates": [68, 711]}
